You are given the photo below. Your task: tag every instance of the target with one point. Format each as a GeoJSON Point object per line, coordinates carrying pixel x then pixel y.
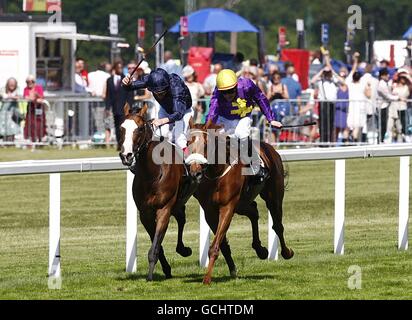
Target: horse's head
{"type": "Point", "coordinates": [135, 134]}
{"type": "Point", "coordinates": [197, 160]}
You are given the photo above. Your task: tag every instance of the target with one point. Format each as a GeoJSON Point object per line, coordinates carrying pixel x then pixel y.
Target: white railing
{"type": "Point", "coordinates": [56, 167]}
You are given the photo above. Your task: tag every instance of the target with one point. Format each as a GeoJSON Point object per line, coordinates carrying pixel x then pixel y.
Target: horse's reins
{"type": "Point", "coordinates": [137, 153]}
{"type": "Point", "coordinates": [142, 147]}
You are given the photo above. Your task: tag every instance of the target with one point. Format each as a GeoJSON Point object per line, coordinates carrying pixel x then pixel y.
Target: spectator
{"type": "Point", "coordinates": [385, 97]}
{"type": "Point", "coordinates": [357, 106]}
{"type": "Point", "coordinates": [83, 72]}
{"type": "Point", "coordinates": [250, 72]}
{"type": "Point", "coordinates": [97, 81]}
{"type": "Point", "coordinates": [170, 65]}
{"type": "Point", "coordinates": [294, 87]}
{"type": "Point", "coordinates": [79, 80]}
{"type": "Point", "coordinates": [263, 81]}
{"type": "Point", "coordinates": [397, 110]}
{"type": "Point", "coordinates": [278, 91]}
{"type": "Point", "coordinates": [196, 92]}
{"type": "Point", "coordinates": [341, 112]}
{"type": "Point", "coordinates": [384, 64]}
{"type": "Point", "coordinates": [210, 82]}
{"type": "Point", "coordinates": [97, 88]}
{"type": "Point", "coordinates": [371, 92]}
{"type": "Point", "coordinates": [108, 68]}
{"type": "Point", "coordinates": [116, 97]}
{"type": "Point", "coordinates": [290, 71]}
{"type": "Point", "coordinates": [326, 84]}
{"type": "Point", "coordinates": [35, 127]}
{"type": "Point", "coordinates": [136, 98]}
{"type": "Point", "coordinates": [10, 116]}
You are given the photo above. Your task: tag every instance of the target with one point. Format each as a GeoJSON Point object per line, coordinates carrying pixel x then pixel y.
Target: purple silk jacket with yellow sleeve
{"type": "Point", "coordinates": [248, 96]}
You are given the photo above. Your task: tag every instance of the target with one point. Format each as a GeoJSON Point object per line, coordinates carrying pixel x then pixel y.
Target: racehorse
{"type": "Point", "coordinates": [223, 190]}
{"type": "Point", "coordinates": [159, 190]}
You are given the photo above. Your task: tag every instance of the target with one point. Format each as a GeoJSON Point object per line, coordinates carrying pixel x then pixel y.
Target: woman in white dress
{"type": "Point", "coordinates": [357, 107]}
{"type": "Point", "coordinates": [397, 109]}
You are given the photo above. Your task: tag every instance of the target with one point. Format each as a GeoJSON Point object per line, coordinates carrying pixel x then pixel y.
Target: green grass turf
{"type": "Point", "coordinates": [93, 239]}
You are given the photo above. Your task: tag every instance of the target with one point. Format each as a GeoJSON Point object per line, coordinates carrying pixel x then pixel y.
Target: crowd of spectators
{"type": "Point", "coordinates": [348, 106]}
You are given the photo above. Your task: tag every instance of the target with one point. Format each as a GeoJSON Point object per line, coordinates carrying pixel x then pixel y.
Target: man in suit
{"type": "Point", "coordinates": [116, 97]}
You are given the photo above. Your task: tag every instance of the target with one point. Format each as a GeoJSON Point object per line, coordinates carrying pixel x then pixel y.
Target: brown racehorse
{"type": "Point", "coordinates": [157, 188]}
{"type": "Point", "coordinates": [222, 192]}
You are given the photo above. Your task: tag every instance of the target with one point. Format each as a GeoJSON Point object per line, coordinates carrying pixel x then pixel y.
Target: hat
{"type": "Point", "coordinates": [188, 71]}
{"type": "Point", "coordinates": [226, 80]}
{"type": "Point", "coordinates": [145, 67]}
{"type": "Point", "coordinates": [253, 70]}
{"type": "Point", "coordinates": [159, 80]}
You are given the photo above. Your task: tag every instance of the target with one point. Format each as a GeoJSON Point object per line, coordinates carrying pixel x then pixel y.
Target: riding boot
{"type": "Point", "coordinates": [260, 173]}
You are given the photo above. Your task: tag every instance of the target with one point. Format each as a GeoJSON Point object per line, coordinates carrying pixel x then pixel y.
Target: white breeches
{"type": "Point", "coordinates": [239, 128]}
{"type": "Point", "coordinates": [177, 132]}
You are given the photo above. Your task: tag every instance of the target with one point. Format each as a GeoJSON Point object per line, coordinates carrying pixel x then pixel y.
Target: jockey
{"type": "Point", "coordinates": [231, 106]}
{"type": "Point", "coordinates": [175, 101]}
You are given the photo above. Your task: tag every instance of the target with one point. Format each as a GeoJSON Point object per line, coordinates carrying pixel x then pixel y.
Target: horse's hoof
{"type": "Point", "coordinates": [149, 278]}
{"type": "Point", "coordinates": [288, 255]}
{"type": "Point", "coordinates": [261, 252]}
{"type": "Point", "coordinates": [207, 281]}
{"type": "Point", "coordinates": [168, 276]}
{"type": "Point", "coordinates": [184, 251]}
{"type": "Point", "coordinates": [233, 274]}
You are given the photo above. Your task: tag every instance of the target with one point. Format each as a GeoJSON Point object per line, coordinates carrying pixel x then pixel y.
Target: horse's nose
{"type": "Point", "coordinates": [126, 159]}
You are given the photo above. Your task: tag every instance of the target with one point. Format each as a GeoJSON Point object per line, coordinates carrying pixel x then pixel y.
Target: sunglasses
{"type": "Point", "coordinates": [230, 91]}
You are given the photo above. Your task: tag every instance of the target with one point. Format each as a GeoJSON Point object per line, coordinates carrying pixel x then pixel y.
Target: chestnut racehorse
{"type": "Point", "coordinates": [223, 191]}
{"type": "Point", "coordinates": [158, 189]}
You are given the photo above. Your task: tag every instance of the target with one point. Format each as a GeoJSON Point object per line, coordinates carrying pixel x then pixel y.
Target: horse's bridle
{"type": "Point", "coordinates": [137, 151]}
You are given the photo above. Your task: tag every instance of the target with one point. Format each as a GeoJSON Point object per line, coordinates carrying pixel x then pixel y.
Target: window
{"type": "Point", "coordinates": [53, 64]}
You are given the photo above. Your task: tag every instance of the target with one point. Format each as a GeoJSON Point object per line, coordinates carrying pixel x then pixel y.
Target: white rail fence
{"type": "Point", "coordinates": [56, 167]}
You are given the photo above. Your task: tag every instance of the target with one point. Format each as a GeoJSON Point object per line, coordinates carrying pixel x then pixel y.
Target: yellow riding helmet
{"type": "Point", "coordinates": [226, 80]}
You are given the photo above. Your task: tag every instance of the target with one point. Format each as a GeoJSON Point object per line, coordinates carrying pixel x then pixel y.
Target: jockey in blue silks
{"type": "Point", "coordinates": [174, 99]}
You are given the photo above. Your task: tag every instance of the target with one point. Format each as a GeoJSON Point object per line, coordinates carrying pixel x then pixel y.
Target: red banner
{"type": "Point", "coordinates": [141, 29]}
{"type": "Point", "coordinates": [300, 59]}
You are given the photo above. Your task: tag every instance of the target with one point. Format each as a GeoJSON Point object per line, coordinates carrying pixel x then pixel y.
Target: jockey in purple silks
{"type": "Point", "coordinates": [231, 106]}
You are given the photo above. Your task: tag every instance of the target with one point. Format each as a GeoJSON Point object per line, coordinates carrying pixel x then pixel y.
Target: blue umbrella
{"type": "Point", "coordinates": [216, 20]}
{"type": "Point", "coordinates": [408, 33]}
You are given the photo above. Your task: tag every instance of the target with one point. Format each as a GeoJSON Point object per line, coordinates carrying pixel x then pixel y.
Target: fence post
{"type": "Point", "coordinates": [339, 245]}
{"type": "Point", "coordinates": [403, 203]}
{"type": "Point", "coordinates": [204, 239]}
{"type": "Point", "coordinates": [131, 226]}
{"type": "Point", "coordinates": [54, 226]}
{"type": "Point", "coordinates": [273, 240]}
